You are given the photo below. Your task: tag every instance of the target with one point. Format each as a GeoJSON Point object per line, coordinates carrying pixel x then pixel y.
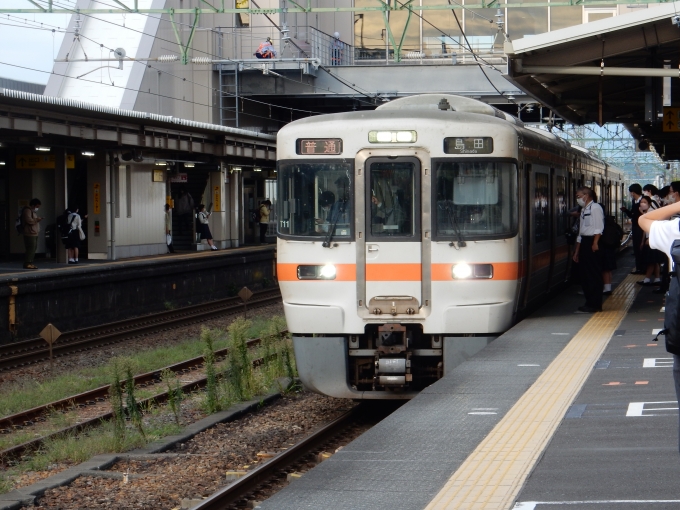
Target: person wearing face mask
{"type": "Point", "coordinates": [31, 222]}
{"type": "Point", "coordinates": [652, 257]}
{"type": "Point", "coordinates": [651, 191]}
{"type": "Point", "coordinates": [587, 252]}
{"type": "Point", "coordinates": [634, 214]}
{"type": "Point", "coordinates": [673, 196]}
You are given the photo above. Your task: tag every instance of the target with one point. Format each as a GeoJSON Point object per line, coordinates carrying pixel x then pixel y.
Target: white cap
{"type": "Point", "coordinates": [336, 35]}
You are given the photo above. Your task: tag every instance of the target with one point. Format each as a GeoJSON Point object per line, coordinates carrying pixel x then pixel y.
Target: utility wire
{"type": "Point", "coordinates": [204, 52]}
{"type": "Point", "coordinates": [128, 88]}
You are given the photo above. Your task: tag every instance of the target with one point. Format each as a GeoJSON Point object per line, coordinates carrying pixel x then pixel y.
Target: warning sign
{"type": "Point", "coordinates": [46, 161]}
{"type": "Point", "coordinates": [96, 202]}
{"type": "Point", "coordinates": [671, 119]}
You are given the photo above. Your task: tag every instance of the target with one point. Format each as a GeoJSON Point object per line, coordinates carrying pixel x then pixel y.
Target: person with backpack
{"type": "Point", "coordinates": [75, 234]}
{"type": "Point", "coordinates": [609, 243]}
{"type": "Point", "coordinates": [31, 229]}
{"type": "Point", "coordinates": [653, 258]}
{"type": "Point", "coordinates": [664, 234]}
{"type": "Point", "coordinates": [202, 227]}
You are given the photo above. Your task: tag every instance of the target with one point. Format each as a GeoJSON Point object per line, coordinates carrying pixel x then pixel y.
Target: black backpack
{"type": "Point", "coordinates": [671, 321]}
{"type": "Point", "coordinates": [63, 225]}
{"type": "Point", "coordinates": [612, 233]}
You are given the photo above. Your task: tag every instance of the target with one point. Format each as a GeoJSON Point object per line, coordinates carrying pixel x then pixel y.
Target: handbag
{"type": "Point", "coordinates": [81, 234]}
{"type": "Point", "coordinates": [168, 239]}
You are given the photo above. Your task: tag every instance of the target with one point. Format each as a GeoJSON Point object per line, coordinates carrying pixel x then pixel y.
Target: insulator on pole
{"type": "Point", "coordinates": [168, 58]}
{"type": "Point", "coordinates": [201, 60]}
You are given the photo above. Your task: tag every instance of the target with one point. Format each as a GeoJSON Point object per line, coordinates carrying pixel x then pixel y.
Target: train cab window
{"type": "Point", "coordinates": [475, 199]}
{"type": "Point", "coordinates": [392, 198]}
{"type": "Point", "coordinates": [315, 199]}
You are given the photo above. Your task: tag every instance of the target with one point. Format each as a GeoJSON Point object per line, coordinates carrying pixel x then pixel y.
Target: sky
{"type": "Point", "coordinates": [29, 47]}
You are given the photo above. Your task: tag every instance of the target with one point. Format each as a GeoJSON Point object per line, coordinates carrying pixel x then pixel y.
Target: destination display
{"type": "Point", "coordinates": [316, 146]}
{"type": "Point", "coordinates": [468, 145]}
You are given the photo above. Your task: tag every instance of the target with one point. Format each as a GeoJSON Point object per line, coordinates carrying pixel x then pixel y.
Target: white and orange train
{"type": "Point", "coordinates": [411, 236]}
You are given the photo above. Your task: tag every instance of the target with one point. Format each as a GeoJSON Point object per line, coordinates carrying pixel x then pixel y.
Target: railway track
{"type": "Point", "coordinates": [265, 480]}
{"type": "Point", "coordinates": [38, 414]}
{"type": "Point", "coordinates": [32, 351]}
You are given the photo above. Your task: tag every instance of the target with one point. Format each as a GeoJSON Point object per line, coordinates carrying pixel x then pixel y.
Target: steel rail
{"type": "Point", "coordinates": [234, 492]}
{"type": "Point", "coordinates": [34, 350]}
{"type": "Point", "coordinates": [98, 394]}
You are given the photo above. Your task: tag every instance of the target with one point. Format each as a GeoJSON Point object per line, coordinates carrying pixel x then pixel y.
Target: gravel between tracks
{"type": "Point", "coordinates": [199, 469]}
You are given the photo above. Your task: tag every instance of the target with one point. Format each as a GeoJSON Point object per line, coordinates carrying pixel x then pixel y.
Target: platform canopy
{"type": "Point", "coordinates": [623, 69]}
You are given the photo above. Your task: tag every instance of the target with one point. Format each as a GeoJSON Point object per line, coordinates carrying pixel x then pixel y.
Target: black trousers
{"type": "Point", "coordinates": [590, 269]}
{"type": "Point", "coordinates": [676, 378]}
{"type": "Point", "coordinates": [640, 264]}
{"type": "Point", "coordinates": [263, 232]}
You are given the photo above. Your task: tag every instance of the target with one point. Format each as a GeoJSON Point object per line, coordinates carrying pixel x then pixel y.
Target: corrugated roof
{"type": "Point", "coordinates": [25, 86]}
{"type": "Point", "coordinates": [131, 114]}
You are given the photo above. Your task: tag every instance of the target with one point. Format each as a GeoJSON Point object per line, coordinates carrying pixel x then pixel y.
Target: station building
{"type": "Point", "coordinates": [120, 167]}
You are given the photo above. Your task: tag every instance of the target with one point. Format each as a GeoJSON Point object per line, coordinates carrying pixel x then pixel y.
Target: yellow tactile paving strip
{"type": "Point", "coordinates": [492, 476]}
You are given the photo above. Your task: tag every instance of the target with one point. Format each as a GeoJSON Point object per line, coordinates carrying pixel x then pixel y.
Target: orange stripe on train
{"type": "Point", "coordinates": [401, 272]}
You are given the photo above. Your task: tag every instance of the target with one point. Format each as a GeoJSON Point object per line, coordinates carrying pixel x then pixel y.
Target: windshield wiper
{"type": "Point", "coordinates": [454, 222]}
{"type": "Point", "coordinates": [329, 237]}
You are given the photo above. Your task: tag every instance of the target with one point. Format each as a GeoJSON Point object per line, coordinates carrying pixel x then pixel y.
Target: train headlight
{"type": "Point", "coordinates": [463, 271]}
{"type": "Point", "coordinates": [392, 136]}
{"type": "Point", "coordinates": [326, 272]}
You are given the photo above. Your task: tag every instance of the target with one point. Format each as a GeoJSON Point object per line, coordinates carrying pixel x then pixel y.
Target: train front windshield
{"type": "Point", "coordinates": [315, 198]}
{"type": "Point", "coordinates": [475, 199]}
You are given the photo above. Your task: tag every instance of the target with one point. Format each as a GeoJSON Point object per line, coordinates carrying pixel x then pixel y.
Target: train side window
{"type": "Point", "coordinates": [541, 207]}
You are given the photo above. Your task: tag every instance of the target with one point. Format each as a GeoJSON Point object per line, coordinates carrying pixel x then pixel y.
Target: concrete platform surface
{"type": "Point", "coordinates": [613, 442]}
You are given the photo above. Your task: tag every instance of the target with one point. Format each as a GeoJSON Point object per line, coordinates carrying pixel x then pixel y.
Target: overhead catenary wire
{"type": "Point", "coordinates": [204, 52]}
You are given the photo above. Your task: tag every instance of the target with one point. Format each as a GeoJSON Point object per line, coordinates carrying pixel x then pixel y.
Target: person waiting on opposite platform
{"type": "Point", "coordinates": [203, 228]}
{"type": "Point", "coordinates": [73, 240]}
{"type": "Point", "coordinates": [168, 229]}
{"type": "Point", "coordinates": [31, 223]}
{"type": "Point", "coordinates": [265, 210]}
{"type": "Point", "coordinates": [587, 254]}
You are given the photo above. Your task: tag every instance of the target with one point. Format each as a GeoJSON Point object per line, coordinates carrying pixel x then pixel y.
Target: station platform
{"type": "Point", "coordinates": [92, 292]}
{"type": "Point", "coordinates": [563, 411]}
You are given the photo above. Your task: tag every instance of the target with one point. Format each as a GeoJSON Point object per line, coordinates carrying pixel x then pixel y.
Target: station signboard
{"type": "Point", "coordinates": [42, 161]}
{"type": "Point", "coordinates": [181, 178]}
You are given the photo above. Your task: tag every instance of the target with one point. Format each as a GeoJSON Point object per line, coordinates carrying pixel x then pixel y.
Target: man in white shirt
{"type": "Point", "coordinates": [587, 253]}
{"type": "Point", "coordinates": [662, 232]}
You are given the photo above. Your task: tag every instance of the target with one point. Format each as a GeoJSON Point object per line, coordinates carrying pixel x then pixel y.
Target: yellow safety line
{"type": "Point", "coordinates": [493, 474]}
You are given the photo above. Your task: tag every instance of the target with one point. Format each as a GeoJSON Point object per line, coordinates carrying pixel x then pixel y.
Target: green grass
{"type": "Point", "coordinates": [32, 394]}
{"type": "Point", "coordinates": [76, 448]}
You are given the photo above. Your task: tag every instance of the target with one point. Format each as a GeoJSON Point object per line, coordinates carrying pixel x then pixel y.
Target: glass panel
{"type": "Point", "coordinates": [475, 199]}
{"type": "Point", "coordinates": [562, 215]}
{"type": "Point", "coordinates": [441, 35]}
{"type": "Point", "coordinates": [594, 16]}
{"type": "Point", "coordinates": [392, 191]}
{"type": "Point", "coordinates": [563, 17]}
{"type": "Point", "coordinates": [541, 211]}
{"type": "Point", "coordinates": [315, 198]}
{"type": "Point", "coordinates": [523, 21]}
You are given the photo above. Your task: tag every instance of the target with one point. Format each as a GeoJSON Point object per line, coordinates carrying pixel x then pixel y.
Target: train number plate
{"type": "Point", "coordinates": [468, 145]}
{"type": "Point", "coordinates": [316, 146]}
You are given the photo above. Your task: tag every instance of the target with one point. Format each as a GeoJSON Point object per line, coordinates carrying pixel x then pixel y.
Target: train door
{"type": "Point", "coordinates": [561, 224]}
{"type": "Point", "coordinates": [393, 258]}
{"type": "Point", "coordinates": [540, 232]}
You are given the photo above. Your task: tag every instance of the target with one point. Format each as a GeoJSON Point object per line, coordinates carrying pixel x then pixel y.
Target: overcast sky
{"type": "Point", "coordinates": [29, 47]}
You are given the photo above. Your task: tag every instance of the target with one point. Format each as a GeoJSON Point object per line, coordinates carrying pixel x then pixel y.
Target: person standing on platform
{"type": "Point", "coordinates": [587, 253]}
{"type": "Point", "coordinates": [168, 229]}
{"type": "Point", "coordinates": [265, 209]}
{"type": "Point", "coordinates": [634, 213]}
{"type": "Point", "coordinates": [203, 227]}
{"type": "Point", "coordinates": [74, 237]}
{"type": "Point", "coordinates": [663, 227]}
{"type": "Point", "coordinates": [31, 223]}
